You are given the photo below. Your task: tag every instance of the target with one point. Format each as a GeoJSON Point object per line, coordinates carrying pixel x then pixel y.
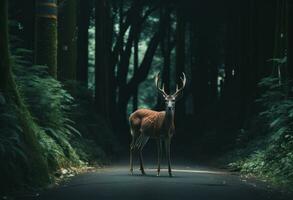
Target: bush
{"type": "Point", "coordinates": [270, 155]}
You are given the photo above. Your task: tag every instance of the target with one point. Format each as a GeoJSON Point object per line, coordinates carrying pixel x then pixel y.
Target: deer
{"type": "Point", "coordinates": [158, 125]}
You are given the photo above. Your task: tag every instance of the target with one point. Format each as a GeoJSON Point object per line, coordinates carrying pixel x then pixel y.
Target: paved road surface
{"type": "Point", "coordinates": [188, 183]}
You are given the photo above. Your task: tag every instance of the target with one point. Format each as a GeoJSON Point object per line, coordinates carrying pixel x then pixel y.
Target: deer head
{"type": "Point", "coordinates": [170, 99]}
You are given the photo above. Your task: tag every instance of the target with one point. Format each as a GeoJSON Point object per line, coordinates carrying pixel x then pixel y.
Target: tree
{"type": "Point", "coordinates": [166, 47]}
{"type": "Point", "coordinates": [124, 62]}
{"type": "Point", "coordinates": [82, 41]}
{"type": "Point", "coordinates": [199, 69]}
{"type": "Point", "coordinates": [102, 65]}
{"type": "Point", "coordinates": [67, 39]}
{"type": "Point", "coordinates": [290, 41]}
{"type": "Point", "coordinates": [141, 73]}
{"type": "Point", "coordinates": [135, 67]}
{"type": "Point", "coordinates": [180, 56]}
{"type": "Point", "coordinates": [46, 35]}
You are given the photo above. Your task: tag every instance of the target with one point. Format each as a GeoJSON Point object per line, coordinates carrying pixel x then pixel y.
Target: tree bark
{"type": "Point", "coordinates": [67, 40]}
{"type": "Point", "coordinates": [46, 35]}
{"type": "Point", "coordinates": [167, 47]}
{"type": "Point", "coordinates": [102, 65]}
{"type": "Point", "coordinates": [180, 58]}
{"type": "Point", "coordinates": [290, 42]}
{"type": "Point", "coordinates": [82, 41]}
{"type": "Point", "coordinates": [135, 67]}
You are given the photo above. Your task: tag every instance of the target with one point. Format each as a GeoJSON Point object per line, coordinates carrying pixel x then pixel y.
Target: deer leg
{"type": "Point", "coordinates": [131, 155]}
{"type": "Point", "coordinates": [144, 140]}
{"type": "Point", "coordinates": [159, 147]}
{"type": "Point", "coordinates": [167, 146]}
{"type": "Point", "coordinates": [141, 163]}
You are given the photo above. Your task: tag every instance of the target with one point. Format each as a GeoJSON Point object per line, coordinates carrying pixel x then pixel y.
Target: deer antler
{"type": "Point", "coordinates": [178, 90]}
{"type": "Point", "coordinates": [161, 90]}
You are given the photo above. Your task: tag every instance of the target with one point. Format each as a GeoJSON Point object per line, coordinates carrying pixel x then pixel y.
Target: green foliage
{"type": "Point", "coordinates": [49, 104]}
{"type": "Point", "coordinates": [11, 146]}
{"type": "Point", "coordinates": [93, 127]}
{"type": "Point", "coordinates": [52, 109]}
{"type": "Point", "coordinates": [270, 155]}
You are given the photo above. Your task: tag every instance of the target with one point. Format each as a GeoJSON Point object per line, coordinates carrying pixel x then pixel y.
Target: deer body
{"type": "Point", "coordinates": [151, 123]}
{"type": "Point", "coordinates": [146, 124]}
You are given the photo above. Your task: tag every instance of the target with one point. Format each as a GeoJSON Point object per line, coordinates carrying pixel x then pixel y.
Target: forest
{"type": "Point", "coordinates": [72, 72]}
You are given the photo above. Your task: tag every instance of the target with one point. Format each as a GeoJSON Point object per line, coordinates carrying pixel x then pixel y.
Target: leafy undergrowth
{"type": "Point", "coordinates": [265, 149]}
{"type": "Point", "coordinates": [67, 147]}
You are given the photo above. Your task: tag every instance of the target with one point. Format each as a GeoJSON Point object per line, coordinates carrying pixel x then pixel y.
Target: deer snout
{"type": "Point", "coordinates": [170, 105]}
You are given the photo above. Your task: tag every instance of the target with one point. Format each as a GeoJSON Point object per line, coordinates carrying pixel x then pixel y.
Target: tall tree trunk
{"type": "Point", "coordinates": [290, 42]}
{"type": "Point", "coordinates": [67, 40]}
{"type": "Point", "coordinates": [280, 38]}
{"type": "Point", "coordinates": [135, 67]}
{"type": "Point", "coordinates": [166, 48]}
{"type": "Point", "coordinates": [82, 41]}
{"type": "Point", "coordinates": [102, 64]}
{"type": "Point", "coordinates": [46, 35]}
{"type": "Point", "coordinates": [28, 24]}
{"type": "Point", "coordinates": [266, 13]}
{"type": "Point", "coordinates": [6, 79]}
{"type": "Point", "coordinates": [180, 58]}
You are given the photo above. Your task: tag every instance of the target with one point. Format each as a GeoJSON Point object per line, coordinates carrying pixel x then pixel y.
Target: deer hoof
{"type": "Point", "coordinates": [143, 173]}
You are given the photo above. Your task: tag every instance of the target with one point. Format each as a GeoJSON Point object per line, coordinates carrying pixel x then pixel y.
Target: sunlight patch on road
{"type": "Point", "coordinates": [192, 171]}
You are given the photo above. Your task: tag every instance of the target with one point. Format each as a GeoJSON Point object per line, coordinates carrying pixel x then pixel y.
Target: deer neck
{"type": "Point", "coordinates": [169, 119]}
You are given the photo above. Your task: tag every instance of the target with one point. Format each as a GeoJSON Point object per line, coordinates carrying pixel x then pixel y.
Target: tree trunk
{"type": "Point", "coordinates": [102, 64]}
{"type": "Point", "coordinates": [67, 40]}
{"type": "Point", "coordinates": [135, 67]}
{"type": "Point", "coordinates": [166, 47]}
{"type": "Point", "coordinates": [46, 35]}
{"type": "Point", "coordinates": [180, 59]}
{"type": "Point", "coordinates": [290, 42]}
{"type": "Point", "coordinates": [82, 41]}
{"type": "Point", "coordinates": [125, 56]}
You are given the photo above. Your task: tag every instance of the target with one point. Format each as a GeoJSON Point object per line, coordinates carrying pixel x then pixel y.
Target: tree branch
{"type": "Point", "coordinates": [141, 74]}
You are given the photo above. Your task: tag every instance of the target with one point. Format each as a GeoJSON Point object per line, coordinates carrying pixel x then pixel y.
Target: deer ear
{"type": "Point", "coordinates": [179, 96]}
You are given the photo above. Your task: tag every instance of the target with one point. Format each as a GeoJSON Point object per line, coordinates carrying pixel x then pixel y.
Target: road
{"type": "Point", "coordinates": [188, 183]}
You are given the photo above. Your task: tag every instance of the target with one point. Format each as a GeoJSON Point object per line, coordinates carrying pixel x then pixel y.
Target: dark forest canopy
{"type": "Point", "coordinates": [72, 71]}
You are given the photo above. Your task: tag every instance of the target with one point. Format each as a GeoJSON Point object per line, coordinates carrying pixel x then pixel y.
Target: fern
{"type": "Point", "coordinates": [50, 105]}
{"type": "Point", "coordinates": [273, 159]}
{"type": "Point", "coordinates": [11, 146]}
